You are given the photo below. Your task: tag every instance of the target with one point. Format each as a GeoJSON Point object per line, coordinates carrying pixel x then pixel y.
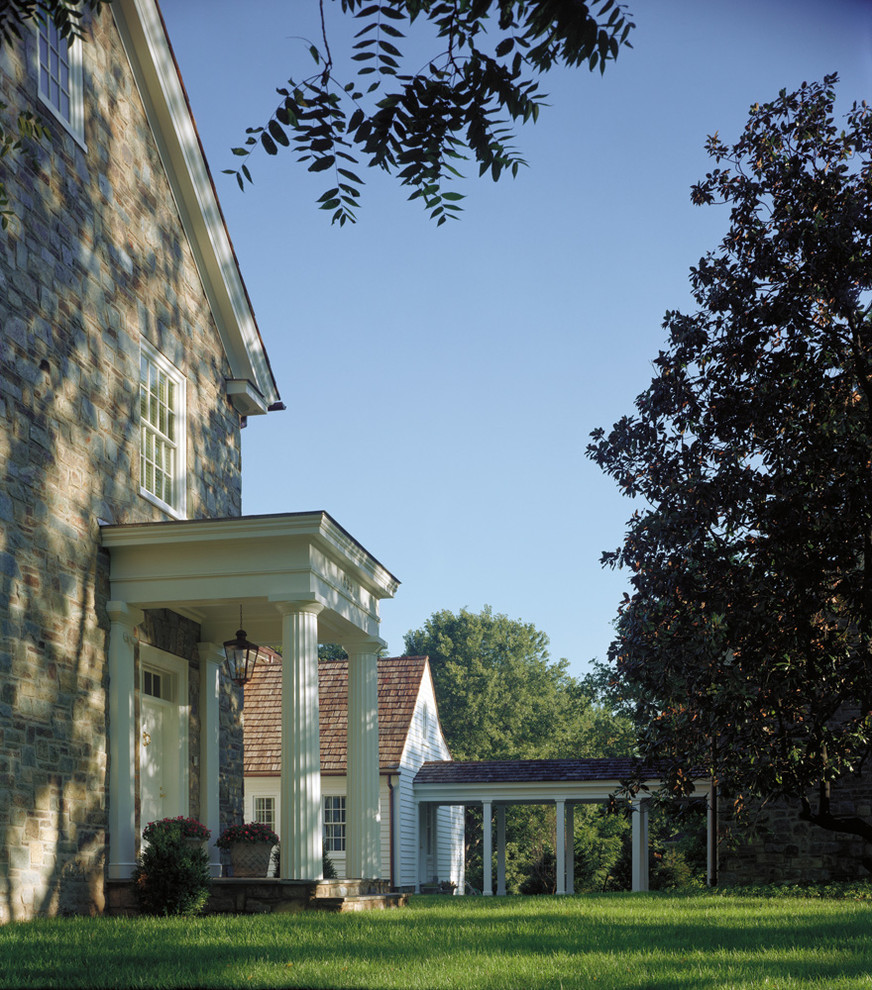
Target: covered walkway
{"type": "Point", "coordinates": [496, 784]}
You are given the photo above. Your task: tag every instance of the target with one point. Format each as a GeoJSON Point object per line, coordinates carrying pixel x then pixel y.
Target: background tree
{"type": "Point", "coordinates": [744, 645]}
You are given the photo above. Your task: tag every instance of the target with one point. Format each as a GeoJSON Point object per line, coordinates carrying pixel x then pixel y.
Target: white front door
{"type": "Point", "coordinates": [163, 737]}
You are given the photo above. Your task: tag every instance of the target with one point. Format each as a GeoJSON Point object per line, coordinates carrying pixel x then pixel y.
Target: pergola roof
{"type": "Point", "coordinates": [533, 781]}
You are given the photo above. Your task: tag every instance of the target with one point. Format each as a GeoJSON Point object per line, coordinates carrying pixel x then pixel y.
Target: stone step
{"type": "Point", "coordinates": [358, 902]}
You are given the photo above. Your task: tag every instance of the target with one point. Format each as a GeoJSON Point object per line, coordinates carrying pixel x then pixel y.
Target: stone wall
{"type": "Point", "coordinates": [779, 848]}
{"type": "Point", "coordinates": [93, 263]}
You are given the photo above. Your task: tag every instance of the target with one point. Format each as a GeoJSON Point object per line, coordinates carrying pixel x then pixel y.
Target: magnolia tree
{"type": "Point", "coordinates": [745, 644]}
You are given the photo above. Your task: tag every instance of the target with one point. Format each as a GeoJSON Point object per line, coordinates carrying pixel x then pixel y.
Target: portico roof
{"type": "Point", "coordinates": [205, 569]}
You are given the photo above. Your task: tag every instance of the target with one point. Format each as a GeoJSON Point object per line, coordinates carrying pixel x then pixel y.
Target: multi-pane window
{"type": "Point", "coordinates": [334, 824]}
{"type": "Point", "coordinates": [265, 811]}
{"type": "Point", "coordinates": [60, 76]}
{"type": "Point", "coordinates": [162, 432]}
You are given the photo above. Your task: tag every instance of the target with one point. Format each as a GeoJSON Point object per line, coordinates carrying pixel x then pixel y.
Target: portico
{"type": "Point", "coordinates": [300, 579]}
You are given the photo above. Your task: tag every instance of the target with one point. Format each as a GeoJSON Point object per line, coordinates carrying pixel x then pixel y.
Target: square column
{"type": "Point", "coordinates": [363, 818]}
{"type": "Point", "coordinates": [570, 848]}
{"type": "Point", "coordinates": [301, 838]}
{"type": "Point", "coordinates": [640, 845]}
{"type": "Point", "coordinates": [211, 658]}
{"type": "Point", "coordinates": [560, 847]}
{"type": "Point", "coordinates": [501, 850]}
{"type": "Point", "coordinates": [487, 848]}
{"type": "Point", "coordinates": [122, 739]}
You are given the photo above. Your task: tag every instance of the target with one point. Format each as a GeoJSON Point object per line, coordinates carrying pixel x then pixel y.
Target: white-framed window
{"type": "Point", "coordinates": [60, 77]}
{"type": "Point", "coordinates": [334, 823]}
{"type": "Point", "coordinates": [265, 811]}
{"type": "Point", "coordinates": [162, 432]}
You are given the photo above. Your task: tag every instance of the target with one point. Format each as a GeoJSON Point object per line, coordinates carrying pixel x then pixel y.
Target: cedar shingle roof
{"type": "Point", "coordinates": [518, 771]}
{"type": "Point", "coordinates": [399, 680]}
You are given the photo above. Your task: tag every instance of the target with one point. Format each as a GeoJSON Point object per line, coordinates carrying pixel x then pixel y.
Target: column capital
{"type": "Point", "coordinates": [371, 646]}
{"type": "Point", "coordinates": [211, 653]}
{"type": "Point", "coordinates": [302, 606]}
{"type": "Point", "coordinates": [126, 615]}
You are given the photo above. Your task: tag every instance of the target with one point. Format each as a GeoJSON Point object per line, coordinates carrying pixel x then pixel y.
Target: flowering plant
{"type": "Point", "coordinates": [248, 832]}
{"type": "Point", "coordinates": [186, 828]}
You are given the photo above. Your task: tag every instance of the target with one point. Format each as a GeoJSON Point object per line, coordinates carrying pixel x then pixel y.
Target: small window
{"type": "Point", "coordinates": [158, 684]}
{"type": "Point", "coordinates": [334, 824]}
{"type": "Point", "coordinates": [265, 811]}
{"type": "Point", "coordinates": [162, 432]}
{"type": "Point", "coordinates": [60, 77]}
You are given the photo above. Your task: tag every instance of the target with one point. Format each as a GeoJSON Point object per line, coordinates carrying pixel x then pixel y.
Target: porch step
{"type": "Point", "coordinates": [325, 889]}
{"type": "Point", "coordinates": [358, 902]}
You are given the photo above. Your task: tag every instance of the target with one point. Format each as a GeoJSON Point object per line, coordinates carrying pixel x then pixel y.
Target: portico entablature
{"type": "Point", "coordinates": [207, 568]}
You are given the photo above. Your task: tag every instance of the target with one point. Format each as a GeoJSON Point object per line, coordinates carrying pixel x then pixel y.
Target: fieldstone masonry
{"type": "Point", "coordinates": [784, 849]}
{"type": "Point", "coordinates": [94, 262]}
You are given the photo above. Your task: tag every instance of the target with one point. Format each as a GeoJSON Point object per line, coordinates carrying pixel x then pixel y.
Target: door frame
{"type": "Point", "coordinates": [176, 669]}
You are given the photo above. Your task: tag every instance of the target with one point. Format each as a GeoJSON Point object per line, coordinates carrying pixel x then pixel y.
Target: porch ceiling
{"type": "Point", "coordinates": [205, 569]}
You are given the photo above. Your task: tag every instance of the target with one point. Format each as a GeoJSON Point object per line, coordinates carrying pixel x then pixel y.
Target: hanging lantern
{"type": "Point", "coordinates": [241, 656]}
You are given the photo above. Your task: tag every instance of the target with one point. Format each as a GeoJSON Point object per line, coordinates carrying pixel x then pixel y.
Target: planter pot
{"type": "Point", "coordinates": [250, 859]}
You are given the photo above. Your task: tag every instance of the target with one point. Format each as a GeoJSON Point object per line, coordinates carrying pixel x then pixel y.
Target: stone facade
{"type": "Point", "coordinates": [94, 263]}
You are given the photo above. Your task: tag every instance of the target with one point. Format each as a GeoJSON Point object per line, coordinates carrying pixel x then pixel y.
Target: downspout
{"type": "Point", "coordinates": [391, 826]}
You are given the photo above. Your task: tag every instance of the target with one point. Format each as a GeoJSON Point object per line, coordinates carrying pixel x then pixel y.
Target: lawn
{"type": "Point", "coordinates": [598, 941]}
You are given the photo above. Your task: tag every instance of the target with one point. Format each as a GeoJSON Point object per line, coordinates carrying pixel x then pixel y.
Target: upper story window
{"type": "Point", "coordinates": [162, 432]}
{"type": "Point", "coordinates": [60, 77]}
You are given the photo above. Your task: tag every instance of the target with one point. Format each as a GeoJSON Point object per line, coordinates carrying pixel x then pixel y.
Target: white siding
{"type": "Point", "coordinates": [426, 742]}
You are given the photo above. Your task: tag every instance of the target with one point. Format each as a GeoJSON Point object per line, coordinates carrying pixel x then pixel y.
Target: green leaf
{"type": "Point", "coordinates": [321, 164]}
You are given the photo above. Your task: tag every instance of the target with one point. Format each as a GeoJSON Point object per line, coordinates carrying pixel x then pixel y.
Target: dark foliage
{"type": "Point", "coordinates": [744, 647]}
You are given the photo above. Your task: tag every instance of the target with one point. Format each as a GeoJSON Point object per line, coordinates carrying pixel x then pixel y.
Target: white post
{"type": "Point", "coordinates": [301, 838]}
{"type": "Point", "coordinates": [501, 850]}
{"type": "Point", "coordinates": [570, 848]}
{"type": "Point", "coordinates": [560, 847]}
{"type": "Point", "coordinates": [363, 820]}
{"type": "Point", "coordinates": [487, 850]}
{"type": "Point", "coordinates": [712, 836]}
{"type": "Point", "coordinates": [640, 845]}
{"type": "Point", "coordinates": [211, 658]}
{"type": "Point", "coordinates": [122, 739]}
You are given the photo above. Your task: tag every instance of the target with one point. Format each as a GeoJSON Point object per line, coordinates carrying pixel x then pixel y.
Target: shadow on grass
{"type": "Point", "coordinates": [613, 941]}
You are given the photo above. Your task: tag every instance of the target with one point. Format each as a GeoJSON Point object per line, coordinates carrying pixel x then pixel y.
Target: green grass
{"type": "Point", "coordinates": [667, 941]}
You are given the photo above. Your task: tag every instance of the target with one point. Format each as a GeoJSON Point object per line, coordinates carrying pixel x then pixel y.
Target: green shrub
{"type": "Point", "coordinates": [172, 874]}
{"type": "Point", "coordinates": [329, 869]}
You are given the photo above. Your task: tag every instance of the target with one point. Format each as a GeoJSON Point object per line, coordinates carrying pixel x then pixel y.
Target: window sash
{"type": "Point", "coordinates": [161, 419]}
{"type": "Point", "coordinates": [60, 77]}
{"type": "Point", "coordinates": [265, 811]}
{"type": "Point", "coordinates": [334, 824]}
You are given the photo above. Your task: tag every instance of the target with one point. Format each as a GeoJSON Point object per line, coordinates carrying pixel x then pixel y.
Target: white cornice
{"type": "Point", "coordinates": [142, 33]}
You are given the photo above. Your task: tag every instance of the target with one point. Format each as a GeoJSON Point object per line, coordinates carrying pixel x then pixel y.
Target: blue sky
{"type": "Point", "coordinates": [441, 384]}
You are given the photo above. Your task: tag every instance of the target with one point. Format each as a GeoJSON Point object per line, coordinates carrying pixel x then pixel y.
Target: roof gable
{"type": "Point", "coordinates": [399, 685]}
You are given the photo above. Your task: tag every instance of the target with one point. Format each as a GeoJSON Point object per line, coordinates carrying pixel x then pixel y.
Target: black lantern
{"type": "Point", "coordinates": [241, 656]}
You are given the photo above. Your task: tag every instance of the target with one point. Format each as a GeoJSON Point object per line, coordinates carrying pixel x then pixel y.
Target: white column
{"type": "Point", "coordinates": [712, 837]}
{"type": "Point", "coordinates": [640, 845]}
{"type": "Point", "coordinates": [122, 739]}
{"type": "Point", "coordinates": [363, 820]}
{"type": "Point", "coordinates": [211, 658]}
{"type": "Point", "coordinates": [570, 848]}
{"type": "Point", "coordinates": [301, 838]}
{"type": "Point", "coordinates": [501, 850]}
{"type": "Point", "coordinates": [560, 847]}
{"type": "Point", "coordinates": [487, 850]}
